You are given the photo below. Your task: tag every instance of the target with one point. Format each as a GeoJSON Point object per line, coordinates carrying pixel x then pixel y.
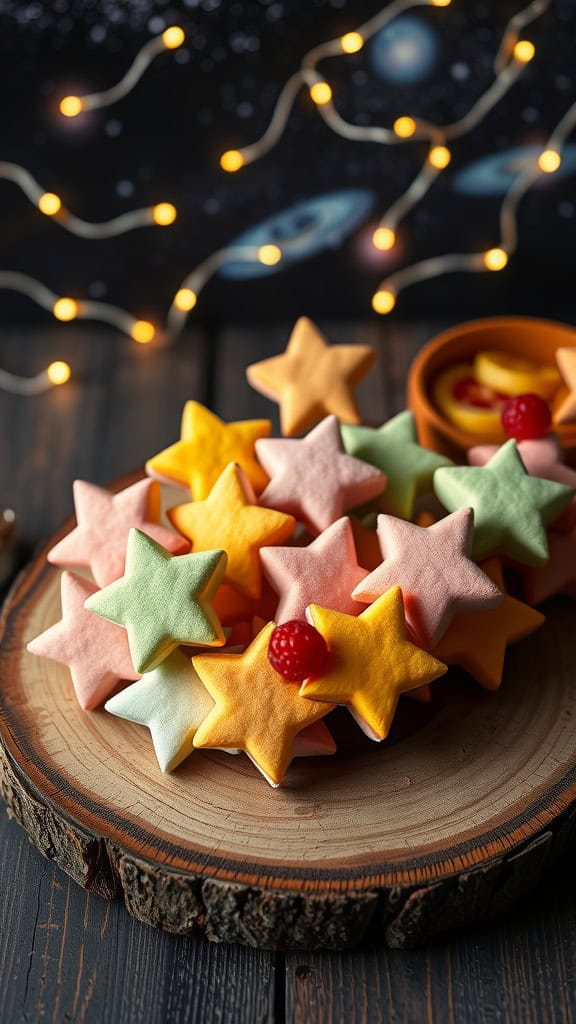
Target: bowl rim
{"type": "Point", "coordinates": [419, 380]}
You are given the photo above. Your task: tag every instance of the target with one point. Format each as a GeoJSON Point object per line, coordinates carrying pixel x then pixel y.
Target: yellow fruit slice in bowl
{"type": "Point", "coordinates": [512, 375]}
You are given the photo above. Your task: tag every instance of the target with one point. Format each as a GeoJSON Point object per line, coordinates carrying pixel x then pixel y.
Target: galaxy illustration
{"type": "Point", "coordinates": [317, 195]}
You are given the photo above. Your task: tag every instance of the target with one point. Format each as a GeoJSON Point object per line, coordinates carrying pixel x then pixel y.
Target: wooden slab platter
{"type": "Point", "coordinates": [451, 820]}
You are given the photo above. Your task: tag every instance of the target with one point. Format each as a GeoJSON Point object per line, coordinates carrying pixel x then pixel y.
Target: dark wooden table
{"type": "Point", "coordinates": [67, 956]}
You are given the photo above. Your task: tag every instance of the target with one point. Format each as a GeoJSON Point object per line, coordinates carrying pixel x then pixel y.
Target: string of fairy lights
{"type": "Point", "coordinates": [513, 55]}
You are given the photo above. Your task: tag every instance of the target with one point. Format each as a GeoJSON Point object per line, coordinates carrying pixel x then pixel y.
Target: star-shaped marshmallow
{"type": "Point", "coordinates": [565, 410]}
{"type": "Point", "coordinates": [432, 565]}
{"type": "Point", "coordinates": [256, 710]}
{"type": "Point", "coordinates": [393, 448]}
{"type": "Point", "coordinates": [230, 518]}
{"type": "Point", "coordinates": [96, 652]}
{"type": "Point", "coordinates": [543, 458]}
{"type": "Point", "coordinates": [312, 379]}
{"type": "Point", "coordinates": [325, 572]}
{"type": "Point", "coordinates": [163, 600]}
{"type": "Point", "coordinates": [313, 479]}
{"type": "Point", "coordinates": [477, 641]}
{"type": "Point", "coordinates": [371, 662]}
{"type": "Point", "coordinates": [206, 447]}
{"type": "Point", "coordinates": [172, 702]}
{"type": "Point", "coordinates": [558, 576]}
{"type": "Point", "coordinates": [104, 520]}
{"type": "Point", "coordinates": [511, 508]}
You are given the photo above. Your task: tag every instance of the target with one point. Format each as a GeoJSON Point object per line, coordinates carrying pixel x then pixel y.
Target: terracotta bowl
{"type": "Point", "coordinates": [531, 338]}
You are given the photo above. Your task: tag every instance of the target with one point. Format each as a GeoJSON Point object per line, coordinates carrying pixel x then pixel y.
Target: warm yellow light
{"type": "Point", "coordinates": [440, 3]}
{"type": "Point", "coordinates": [383, 301]}
{"type": "Point", "coordinates": [142, 331]}
{"type": "Point", "coordinates": [524, 50]}
{"type": "Point", "coordinates": [269, 255]}
{"type": "Point", "coordinates": [351, 42]}
{"type": "Point", "coordinates": [65, 309]}
{"type": "Point", "coordinates": [173, 37]}
{"type": "Point", "coordinates": [549, 161]}
{"type": "Point", "coordinates": [383, 239]}
{"type": "Point", "coordinates": [404, 127]}
{"type": "Point", "coordinates": [58, 372]}
{"type": "Point", "coordinates": [321, 93]}
{"type": "Point", "coordinates": [439, 157]}
{"type": "Point", "coordinates": [232, 160]}
{"type": "Point", "coordinates": [71, 106]}
{"type": "Point", "coordinates": [164, 213]}
{"type": "Point", "coordinates": [49, 203]}
{"type": "Point", "coordinates": [185, 299]}
{"type": "Point", "coordinates": [495, 259]}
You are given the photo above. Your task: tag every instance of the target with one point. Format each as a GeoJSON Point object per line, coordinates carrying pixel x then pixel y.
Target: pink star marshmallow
{"type": "Point", "coordinates": [433, 568]}
{"type": "Point", "coordinates": [104, 521]}
{"type": "Point", "coordinates": [313, 479]}
{"type": "Point", "coordinates": [95, 650]}
{"type": "Point", "coordinates": [325, 573]}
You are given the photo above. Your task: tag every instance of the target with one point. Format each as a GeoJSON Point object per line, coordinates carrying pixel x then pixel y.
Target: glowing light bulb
{"type": "Point", "coordinates": [71, 106]}
{"type": "Point", "coordinates": [383, 239]}
{"type": "Point", "coordinates": [173, 37]}
{"type": "Point", "coordinates": [269, 255]}
{"type": "Point", "coordinates": [185, 299]}
{"type": "Point", "coordinates": [321, 93]}
{"type": "Point", "coordinates": [495, 259]}
{"type": "Point", "coordinates": [232, 160]}
{"type": "Point", "coordinates": [351, 42]}
{"type": "Point", "coordinates": [524, 50]}
{"type": "Point", "coordinates": [440, 3]}
{"type": "Point", "coordinates": [49, 203]}
{"type": "Point", "coordinates": [65, 309]}
{"type": "Point", "coordinates": [383, 301]}
{"type": "Point", "coordinates": [439, 157]}
{"type": "Point", "coordinates": [549, 161]}
{"type": "Point", "coordinates": [404, 127]}
{"type": "Point", "coordinates": [142, 331]}
{"type": "Point", "coordinates": [164, 213]}
{"type": "Point", "coordinates": [58, 372]}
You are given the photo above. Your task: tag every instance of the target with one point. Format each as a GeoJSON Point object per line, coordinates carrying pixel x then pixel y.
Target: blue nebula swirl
{"type": "Point", "coordinates": [303, 230]}
{"type": "Point", "coordinates": [493, 175]}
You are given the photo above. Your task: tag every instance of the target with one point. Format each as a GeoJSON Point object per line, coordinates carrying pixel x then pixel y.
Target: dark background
{"type": "Point", "coordinates": [218, 91]}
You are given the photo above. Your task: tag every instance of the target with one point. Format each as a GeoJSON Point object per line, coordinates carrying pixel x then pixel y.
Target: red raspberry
{"type": "Point", "coordinates": [297, 651]}
{"type": "Point", "coordinates": [526, 417]}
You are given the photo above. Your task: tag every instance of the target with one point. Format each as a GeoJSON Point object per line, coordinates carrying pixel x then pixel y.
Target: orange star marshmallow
{"type": "Point", "coordinates": [312, 378]}
{"type": "Point", "coordinates": [477, 641]}
{"type": "Point", "coordinates": [255, 710]}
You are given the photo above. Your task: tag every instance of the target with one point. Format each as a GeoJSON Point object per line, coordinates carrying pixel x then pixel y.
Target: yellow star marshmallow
{"type": "Point", "coordinates": [231, 514]}
{"type": "Point", "coordinates": [255, 710]}
{"type": "Point", "coordinates": [370, 663]}
{"type": "Point", "coordinates": [206, 447]}
{"type": "Point", "coordinates": [312, 379]}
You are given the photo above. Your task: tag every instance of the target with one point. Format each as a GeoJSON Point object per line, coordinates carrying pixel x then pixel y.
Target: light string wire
{"type": "Point", "coordinates": [494, 259]}
{"type": "Point", "coordinates": [508, 66]}
{"type": "Point", "coordinates": [171, 39]}
{"type": "Point", "coordinates": [50, 204]}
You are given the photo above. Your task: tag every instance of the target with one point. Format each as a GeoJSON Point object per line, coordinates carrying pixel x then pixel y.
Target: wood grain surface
{"type": "Point", "coordinates": [69, 956]}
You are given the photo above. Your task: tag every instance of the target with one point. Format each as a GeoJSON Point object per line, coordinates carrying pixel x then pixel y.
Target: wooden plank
{"type": "Point", "coordinates": [522, 969]}
{"type": "Point", "coordinates": [69, 956]}
{"type": "Point", "coordinates": [66, 955]}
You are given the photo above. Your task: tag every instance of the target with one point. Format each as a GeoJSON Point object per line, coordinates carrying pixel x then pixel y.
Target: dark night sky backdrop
{"type": "Point", "coordinates": [163, 143]}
